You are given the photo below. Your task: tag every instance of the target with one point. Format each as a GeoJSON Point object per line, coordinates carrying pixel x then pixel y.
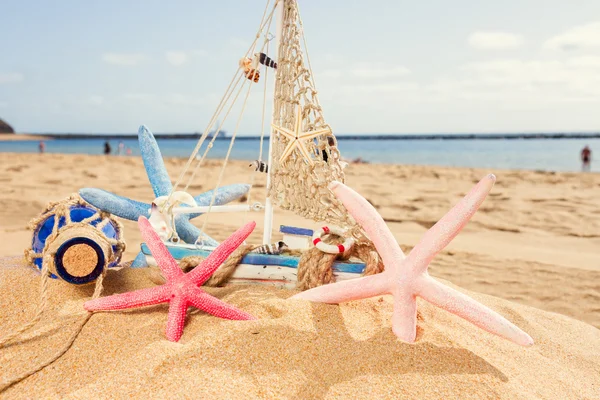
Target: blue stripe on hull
{"type": "Point", "coordinates": [259, 259]}
{"type": "Point", "coordinates": [295, 231]}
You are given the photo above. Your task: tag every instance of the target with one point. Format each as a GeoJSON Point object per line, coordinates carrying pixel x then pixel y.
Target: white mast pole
{"type": "Point", "coordinates": [268, 224]}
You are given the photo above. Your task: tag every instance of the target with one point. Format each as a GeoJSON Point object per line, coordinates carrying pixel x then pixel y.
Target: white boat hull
{"type": "Point", "coordinates": [272, 275]}
{"type": "Point", "coordinates": [262, 269]}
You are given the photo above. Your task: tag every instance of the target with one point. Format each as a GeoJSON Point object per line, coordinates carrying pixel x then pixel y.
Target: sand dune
{"type": "Point", "coordinates": [295, 350]}
{"type": "Point", "coordinates": [534, 242]}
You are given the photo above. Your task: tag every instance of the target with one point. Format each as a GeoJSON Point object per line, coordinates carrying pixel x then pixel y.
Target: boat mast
{"type": "Point", "coordinates": [268, 223]}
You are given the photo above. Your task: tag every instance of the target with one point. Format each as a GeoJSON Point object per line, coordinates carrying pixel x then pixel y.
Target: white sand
{"type": "Point", "coordinates": [535, 242]}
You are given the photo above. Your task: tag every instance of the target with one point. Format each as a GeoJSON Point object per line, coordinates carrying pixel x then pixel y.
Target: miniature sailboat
{"type": "Point", "coordinates": [303, 159]}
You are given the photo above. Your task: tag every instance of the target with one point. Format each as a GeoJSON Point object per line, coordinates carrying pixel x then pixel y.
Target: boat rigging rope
{"type": "Point", "coordinates": [222, 172]}
{"type": "Point", "coordinates": [262, 122]}
{"type": "Point", "coordinates": [210, 144]}
{"type": "Point", "coordinates": [224, 166]}
{"type": "Point", "coordinates": [262, 136]}
{"type": "Point", "coordinates": [215, 115]}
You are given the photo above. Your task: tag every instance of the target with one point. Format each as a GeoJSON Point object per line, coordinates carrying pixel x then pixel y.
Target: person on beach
{"type": "Point", "coordinates": [107, 148]}
{"type": "Point", "coordinates": [586, 158]}
{"type": "Point", "coordinates": [121, 149]}
{"type": "Point", "coordinates": [42, 146]}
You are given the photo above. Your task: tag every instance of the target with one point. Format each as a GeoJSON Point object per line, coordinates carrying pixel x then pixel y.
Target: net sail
{"type": "Point", "coordinates": [304, 153]}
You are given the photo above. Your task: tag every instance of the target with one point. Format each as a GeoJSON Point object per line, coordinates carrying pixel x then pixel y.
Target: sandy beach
{"type": "Point", "coordinates": [8, 137]}
{"type": "Point", "coordinates": [532, 253]}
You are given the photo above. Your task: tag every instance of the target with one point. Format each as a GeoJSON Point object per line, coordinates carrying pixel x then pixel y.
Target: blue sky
{"type": "Point", "coordinates": [381, 67]}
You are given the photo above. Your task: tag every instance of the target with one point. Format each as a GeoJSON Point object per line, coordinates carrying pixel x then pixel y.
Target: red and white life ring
{"type": "Point", "coordinates": [331, 248]}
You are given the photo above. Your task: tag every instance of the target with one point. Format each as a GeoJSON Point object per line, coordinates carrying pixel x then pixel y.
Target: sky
{"type": "Point", "coordinates": [396, 66]}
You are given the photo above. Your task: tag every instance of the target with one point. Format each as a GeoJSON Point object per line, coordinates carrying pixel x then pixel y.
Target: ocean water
{"type": "Point", "coordinates": [533, 154]}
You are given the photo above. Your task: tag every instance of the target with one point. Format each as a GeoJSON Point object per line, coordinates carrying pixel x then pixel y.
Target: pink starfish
{"type": "Point", "coordinates": [181, 289]}
{"type": "Point", "coordinates": [407, 278]}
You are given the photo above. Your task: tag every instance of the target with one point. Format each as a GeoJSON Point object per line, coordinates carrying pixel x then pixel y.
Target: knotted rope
{"type": "Point", "coordinates": [6, 383]}
{"type": "Point", "coordinates": [224, 272]}
{"type": "Point", "coordinates": [69, 230]}
{"type": "Point", "coordinates": [315, 268]}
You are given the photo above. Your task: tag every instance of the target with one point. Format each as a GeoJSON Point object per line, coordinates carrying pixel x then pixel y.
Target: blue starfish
{"type": "Point", "coordinates": [161, 185]}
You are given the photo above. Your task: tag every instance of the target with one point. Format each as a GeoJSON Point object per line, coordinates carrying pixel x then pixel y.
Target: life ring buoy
{"type": "Point", "coordinates": [331, 248]}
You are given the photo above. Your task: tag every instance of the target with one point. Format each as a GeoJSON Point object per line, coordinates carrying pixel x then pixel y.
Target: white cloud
{"type": "Point", "coordinates": [11, 77]}
{"type": "Point", "coordinates": [398, 88]}
{"type": "Point", "coordinates": [183, 100]}
{"type": "Point", "coordinates": [380, 71]}
{"type": "Point", "coordinates": [579, 37]}
{"type": "Point", "coordinates": [239, 43]}
{"type": "Point", "coordinates": [539, 81]}
{"type": "Point", "coordinates": [585, 62]}
{"type": "Point", "coordinates": [503, 84]}
{"type": "Point", "coordinates": [126, 59]}
{"type": "Point", "coordinates": [199, 53]}
{"type": "Point", "coordinates": [96, 100]}
{"type": "Point", "coordinates": [168, 100]}
{"type": "Point", "coordinates": [535, 71]}
{"type": "Point", "coordinates": [176, 58]}
{"type": "Point", "coordinates": [366, 71]}
{"type": "Point", "coordinates": [494, 40]}
{"type": "Point", "coordinates": [331, 73]}
{"type": "Point", "coordinates": [140, 97]}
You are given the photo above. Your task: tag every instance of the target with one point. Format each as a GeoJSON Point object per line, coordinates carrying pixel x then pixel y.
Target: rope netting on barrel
{"type": "Point", "coordinates": [90, 227]}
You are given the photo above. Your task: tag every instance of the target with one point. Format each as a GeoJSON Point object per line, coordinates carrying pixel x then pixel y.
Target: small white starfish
{"type": "Point", "coordinates": [297, 137]}
{"type": "Point", "coordinates": [405, 278]}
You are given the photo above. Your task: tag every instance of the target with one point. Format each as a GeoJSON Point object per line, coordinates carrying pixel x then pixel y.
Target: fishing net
{"type": "Point", "coordinates": [299, 179]}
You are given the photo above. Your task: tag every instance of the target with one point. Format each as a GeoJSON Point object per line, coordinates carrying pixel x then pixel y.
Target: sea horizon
{"type": "Point", "coordinates": [532, 153]}
{"type": "Point", "coordinates": [224, 135]}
